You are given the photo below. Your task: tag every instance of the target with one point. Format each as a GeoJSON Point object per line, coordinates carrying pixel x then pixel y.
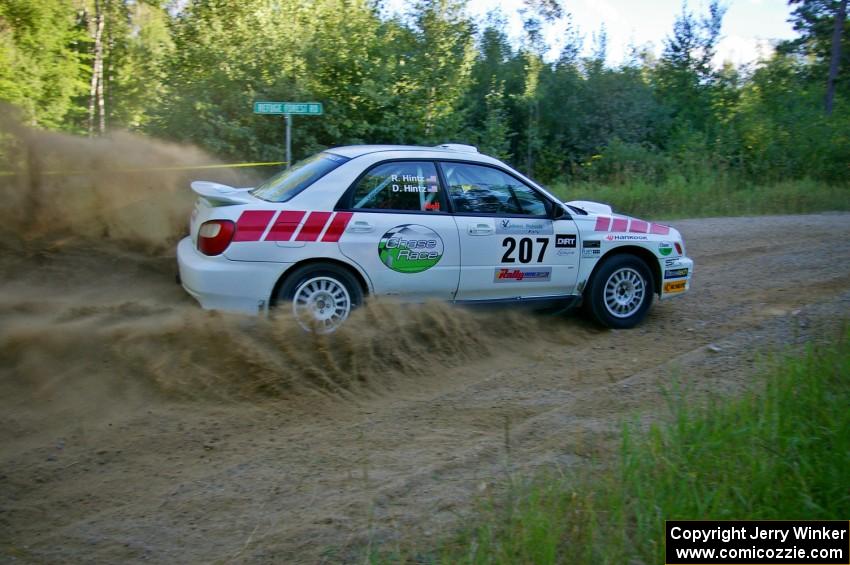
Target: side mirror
{"type": "Point", "coordinates": [558, 211]}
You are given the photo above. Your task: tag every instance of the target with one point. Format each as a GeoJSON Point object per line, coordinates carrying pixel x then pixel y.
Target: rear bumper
{"type": "Point", "coordinates": [218, 283]}
{"type": "Point", "coordinates": [676, 286]}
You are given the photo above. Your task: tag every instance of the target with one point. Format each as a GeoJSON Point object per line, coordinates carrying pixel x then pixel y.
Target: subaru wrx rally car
{"type": "Point", "coordinates": [419, 223]}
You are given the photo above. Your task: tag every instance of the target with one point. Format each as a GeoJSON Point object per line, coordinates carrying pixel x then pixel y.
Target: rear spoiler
{"type": "Point", "coordinates": [221, 194]}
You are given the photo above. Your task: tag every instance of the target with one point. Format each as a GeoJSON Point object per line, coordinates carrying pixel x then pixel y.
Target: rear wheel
{"type": "Point", "coordinates": [620, 292]}
{"type": "Point", "coordinates": [321, 296]}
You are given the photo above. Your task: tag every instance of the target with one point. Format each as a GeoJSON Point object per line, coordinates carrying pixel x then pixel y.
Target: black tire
{"type": "Point", "coordinates": [613, 311]}
{"type": "Point", "coordinates": [325, 272]}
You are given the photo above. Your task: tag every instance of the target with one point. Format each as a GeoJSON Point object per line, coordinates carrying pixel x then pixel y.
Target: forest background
{"type": "Point", "coordinates": [673, 132]}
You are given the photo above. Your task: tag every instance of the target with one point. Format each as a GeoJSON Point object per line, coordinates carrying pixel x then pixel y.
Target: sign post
{"type": "Point", "coordinates": [288, 118]}
{"type": "Point", "coordinates": [288, 109]}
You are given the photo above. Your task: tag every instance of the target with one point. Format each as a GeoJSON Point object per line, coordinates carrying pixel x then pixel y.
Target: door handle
{"type": "Point", "coordinates": [481, 229]}
{"type": "Point", "coordinates": [360, 226]}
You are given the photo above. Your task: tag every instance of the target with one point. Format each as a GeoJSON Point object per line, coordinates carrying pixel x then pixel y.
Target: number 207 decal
{"type": "Point", "coordinates": [525, 249]}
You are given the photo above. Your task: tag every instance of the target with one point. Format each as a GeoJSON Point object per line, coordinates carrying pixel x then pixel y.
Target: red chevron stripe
{"type": "Point", "coordinates": [251, 224]}
{"type": "Point", "coordinates": [313, 227]}
{"type": "Point", "coordinates": [638, 226]}
{"type": "Point", "coordinates": [658, 229]}
{"type": "Point", "coordinates": [602, 223]}
{"type": "Point", "coordinates": [285, 225]}
{"type": "Point", "coordinates": [337, 226]}
{"type": "Point", "coordinates": [620, 224]}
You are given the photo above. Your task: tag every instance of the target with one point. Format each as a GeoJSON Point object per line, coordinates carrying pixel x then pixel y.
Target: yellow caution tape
{"type": "Point", "coordinates": [146, 169]}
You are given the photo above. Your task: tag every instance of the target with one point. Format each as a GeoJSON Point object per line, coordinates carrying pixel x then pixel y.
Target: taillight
{"type": "Point", "coordinates": [679, 249]}
{"type": "Point", "coordinates": [214, 236]}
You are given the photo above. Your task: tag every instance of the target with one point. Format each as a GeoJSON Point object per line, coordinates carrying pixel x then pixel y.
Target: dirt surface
{"type": "Point", "coordinates": [134, 426]}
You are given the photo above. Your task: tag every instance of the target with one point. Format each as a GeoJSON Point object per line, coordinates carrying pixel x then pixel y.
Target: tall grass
{"type": "Point", "coordinates": [782, 452]}
{"type": "Point", "coordinates": [708, 194]}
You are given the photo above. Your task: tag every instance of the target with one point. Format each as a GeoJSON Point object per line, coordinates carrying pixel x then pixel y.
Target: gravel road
{"type": "Point", "coordinates": [134, 426]}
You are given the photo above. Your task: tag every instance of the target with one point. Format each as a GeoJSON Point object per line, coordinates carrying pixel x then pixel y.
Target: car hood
{"type": "Point", "coordinates": [596, 208]}
{"type": "Point", "coordinates": [602, 219]}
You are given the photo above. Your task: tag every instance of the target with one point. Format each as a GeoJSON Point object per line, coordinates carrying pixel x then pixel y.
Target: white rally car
{"type": "Point", "coordinates": [441, 222]}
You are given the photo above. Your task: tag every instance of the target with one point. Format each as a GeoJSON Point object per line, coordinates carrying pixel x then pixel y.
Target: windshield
{"type": "Point", "coordinates": [286, 184]}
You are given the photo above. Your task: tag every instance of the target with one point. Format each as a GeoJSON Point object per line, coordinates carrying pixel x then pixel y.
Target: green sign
{"type": "Point", "coordinates": [304, 108]}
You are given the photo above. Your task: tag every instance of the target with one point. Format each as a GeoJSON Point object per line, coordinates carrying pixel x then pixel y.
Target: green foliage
{"type": "Point", "coordinates": [192, 72]}
{"type": "Point", "coordinates": [495, 136]}
{"type": "Point", "coordinates": [814, 20]}
{"type": "Point", "coordinates": [138, 41]}
{"type": "Point", "coordinates": [777, 452]}
{"type": "Point", "coordinates": [441, 64]}
{"type": "Point", "coordinates": [42, 59]}
{"type": "Point", "coordinates": [707, 194]}
{"type": "Point", "coordinates": [380, 81]}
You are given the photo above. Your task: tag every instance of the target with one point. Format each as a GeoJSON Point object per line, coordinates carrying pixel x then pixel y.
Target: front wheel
{"type": "Point", "coordinates": [620, 293]}
{"type": "Point", "coordinates": [321, 295]}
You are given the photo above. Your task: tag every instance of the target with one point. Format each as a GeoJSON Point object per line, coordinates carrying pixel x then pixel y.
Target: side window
{"type": "Point", "coordinates": [401, 185]}
{"type": "Point", "coordinates": [485, 190]}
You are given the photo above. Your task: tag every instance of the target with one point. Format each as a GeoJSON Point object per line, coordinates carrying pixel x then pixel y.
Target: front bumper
{"type": "Point", "coordinates": [676, 285]}
{"type": "Point", "coordinates": [218, 283]}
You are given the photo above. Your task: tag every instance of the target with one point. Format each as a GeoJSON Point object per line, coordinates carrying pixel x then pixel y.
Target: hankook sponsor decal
{"type": "Point", "coordinates": [536, 274]}
{"type": "Point", "coordinates": [410, 248]}
{"type": "Point", "coordinates": [524, 227]}
{"type": "Point", "coordinates": [625, 237]}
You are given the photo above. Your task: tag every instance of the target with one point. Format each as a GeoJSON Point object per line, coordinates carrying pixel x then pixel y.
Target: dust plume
{"type": "Point", "coordinates": [179, 351]}
{"type": "Point", "coordinates": [90, 312]}
{"type": "Point", "coordinates": [123, 187]}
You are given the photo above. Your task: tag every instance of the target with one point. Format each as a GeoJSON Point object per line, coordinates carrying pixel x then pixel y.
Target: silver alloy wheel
{"type": "Point", "coordinates": [321, 304]}
{"type": "Point", "coordinates": [625, 292]}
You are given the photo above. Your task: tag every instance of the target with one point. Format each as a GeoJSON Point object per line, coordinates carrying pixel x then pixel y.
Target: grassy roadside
{"type": "Point", "coordinates": [780, 453]}
{"type": "Point", "coordinates": [710, 195]}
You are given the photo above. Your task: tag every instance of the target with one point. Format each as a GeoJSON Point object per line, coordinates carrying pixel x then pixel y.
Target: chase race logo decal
{"type": "Point", "coordinates": [410, 248]}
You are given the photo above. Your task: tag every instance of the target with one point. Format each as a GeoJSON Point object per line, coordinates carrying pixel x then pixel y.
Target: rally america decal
{"type": "Point", "coordinates": [536, 274]}
{"type": "Point", "coordinates": [524, 227]}
{"type": "Point", "coordinates": [410, 248]}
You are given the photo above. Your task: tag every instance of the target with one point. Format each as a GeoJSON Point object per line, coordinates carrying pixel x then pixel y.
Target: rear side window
{"type": "Point", "coordinates": [485, 190]}
{"type": "Point", "coordinates": [286, 184]}
{"type": "Point", "coordinates": [399, 185]}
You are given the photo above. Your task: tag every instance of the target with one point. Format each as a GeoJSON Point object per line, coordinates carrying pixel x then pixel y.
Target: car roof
{"type": "Point", "coordinates": [352, 151]}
